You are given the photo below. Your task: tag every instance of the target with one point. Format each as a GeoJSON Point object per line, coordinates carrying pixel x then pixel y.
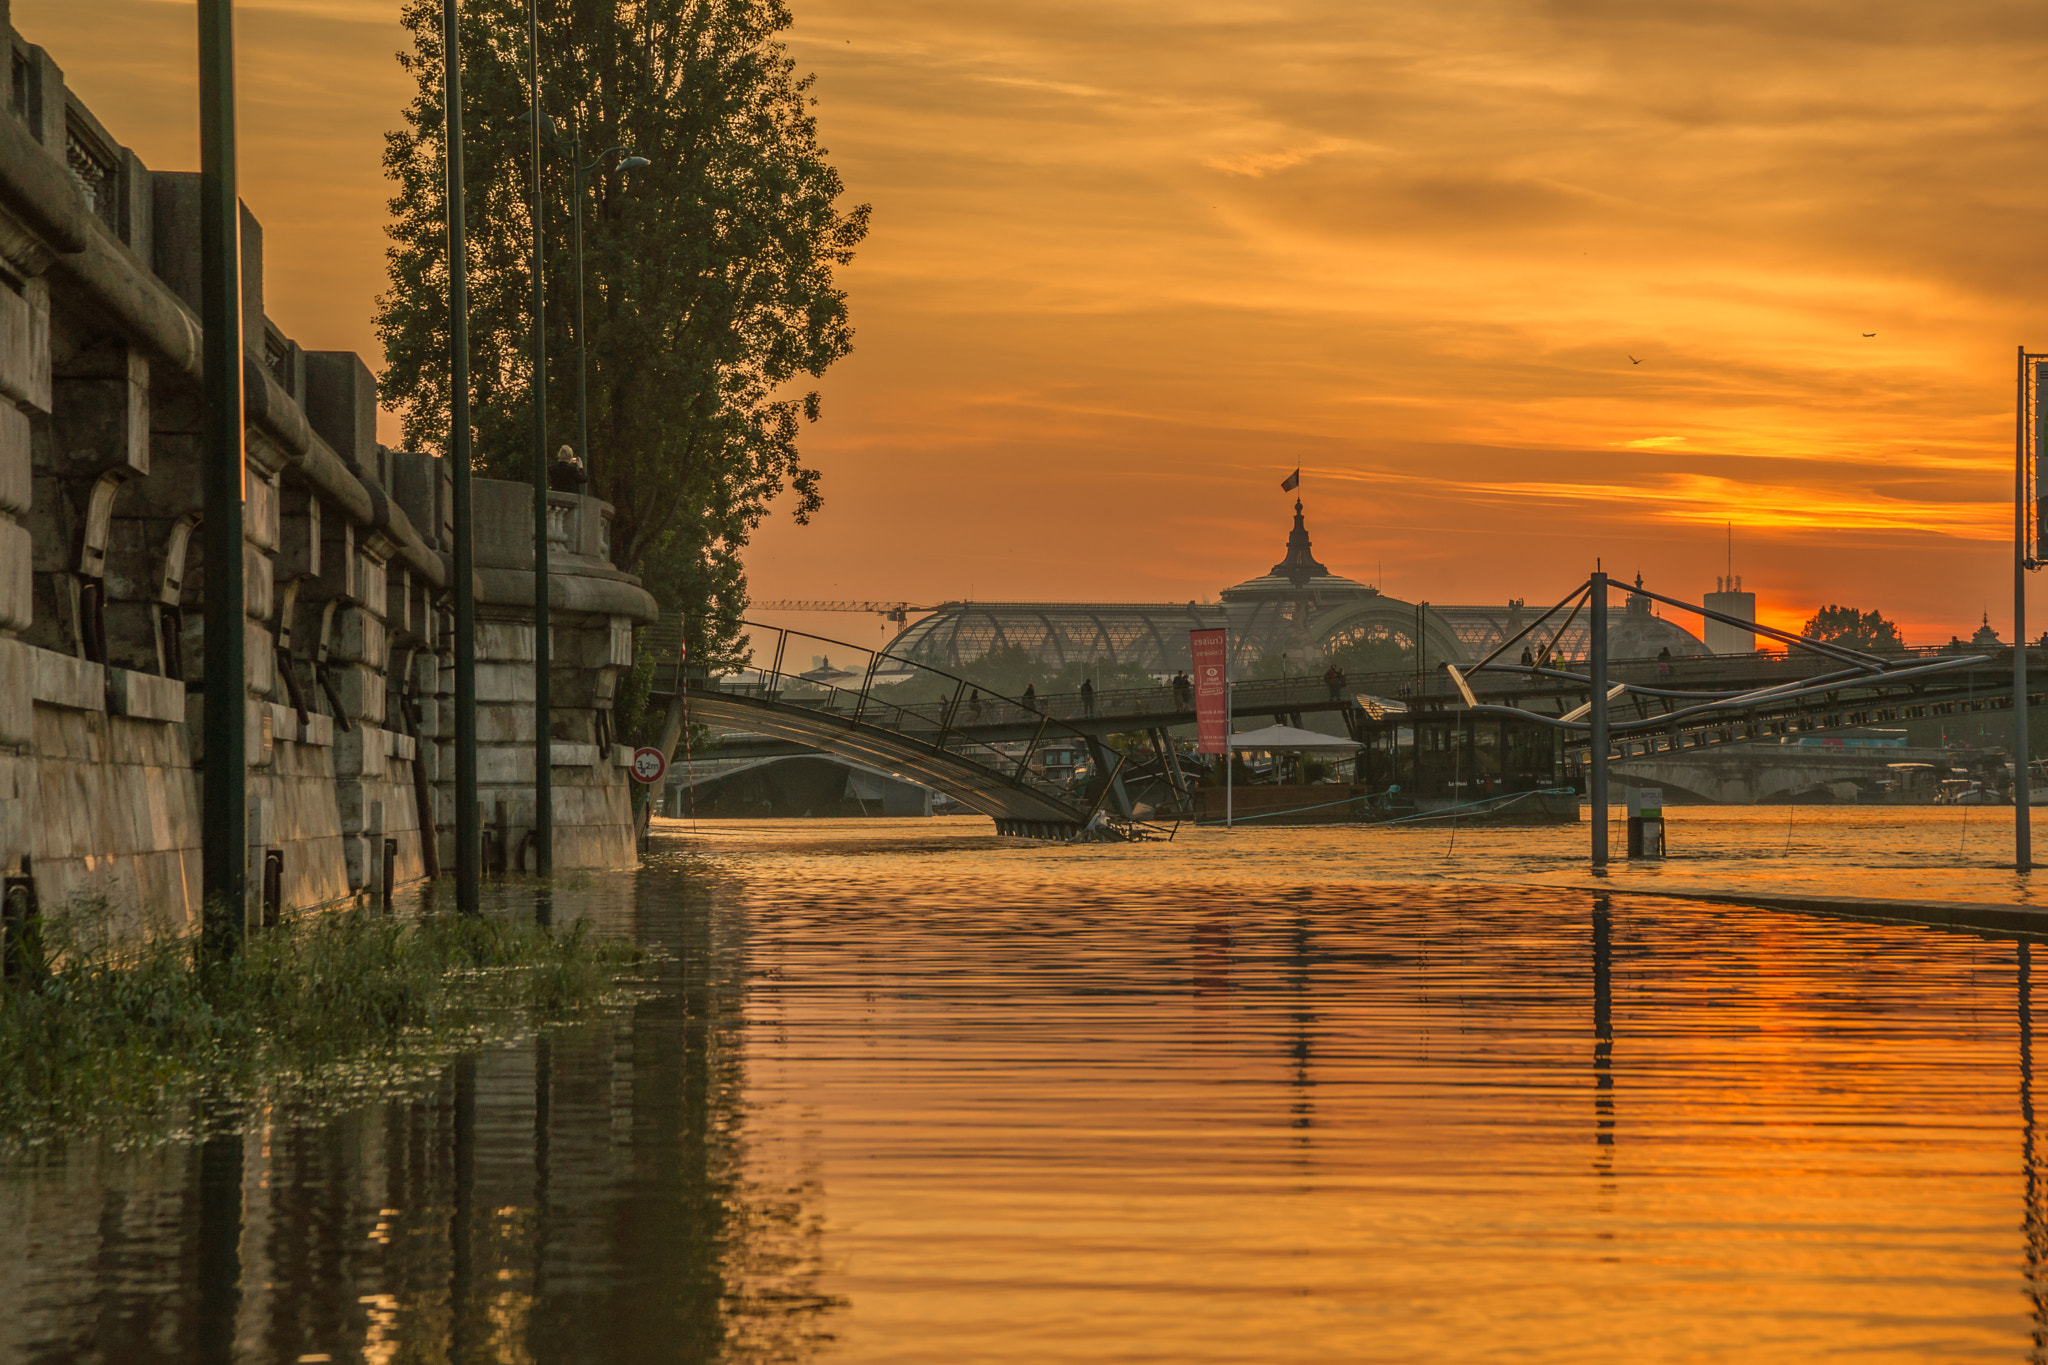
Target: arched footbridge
{"type": "Point", "coordinates": [906, 718]}
{"type": "Point", "coordinates": [986, 751]}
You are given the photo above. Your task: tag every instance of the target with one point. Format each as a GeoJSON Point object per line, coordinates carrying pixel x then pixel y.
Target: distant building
{"type": "Point", "coordinates": [1729, 599]}
{"type": "Point", "coordinates": [1298, 608]}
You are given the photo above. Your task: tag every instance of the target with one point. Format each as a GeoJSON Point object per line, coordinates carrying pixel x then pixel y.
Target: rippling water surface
{"type": "Point", "coordinates": [906, 1092]}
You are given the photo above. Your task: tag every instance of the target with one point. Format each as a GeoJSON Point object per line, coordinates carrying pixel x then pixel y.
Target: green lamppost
{"type": "Point", "coordinates": [224, 852]}
{"type": "Point", "coordinates": [224, 849]}
{"type": "Point", "coordinates": [572, 147]}
{"type": "Point", "coordinates": [543, 736]}
{"type": "Point", "coordinates": [583, 174]}
{"type": "Point", "coordinates": [468, 819]}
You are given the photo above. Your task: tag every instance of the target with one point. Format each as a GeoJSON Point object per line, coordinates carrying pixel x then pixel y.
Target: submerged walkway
{"type": "Point", "coordinates": [1942, 866]}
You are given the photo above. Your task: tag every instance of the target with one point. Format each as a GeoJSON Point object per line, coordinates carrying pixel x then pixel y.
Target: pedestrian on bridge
{"type": "Point", "coordinates": [1333, 678]}
{"type": "Point", "coordinates": [1087, 697]}
{"type": "Point", "coordinates": [1030, 697]}
{"type": "Point", "coordinates": [1182, 686]}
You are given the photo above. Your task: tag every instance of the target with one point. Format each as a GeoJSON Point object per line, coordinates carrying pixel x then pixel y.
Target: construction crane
{"type": "Point", "coordinates": [896, 612]}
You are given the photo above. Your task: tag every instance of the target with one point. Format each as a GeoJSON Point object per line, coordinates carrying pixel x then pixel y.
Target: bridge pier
{"type": "Point", "coordinates": [1097, 752]}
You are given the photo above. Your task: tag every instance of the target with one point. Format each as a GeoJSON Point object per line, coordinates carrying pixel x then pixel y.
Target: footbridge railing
{"type": "Point", "coordinates": [988, 751]}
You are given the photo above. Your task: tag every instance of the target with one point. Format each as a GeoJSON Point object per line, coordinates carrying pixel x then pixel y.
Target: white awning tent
{"type": "Point", "coordinates": [1286, 739]}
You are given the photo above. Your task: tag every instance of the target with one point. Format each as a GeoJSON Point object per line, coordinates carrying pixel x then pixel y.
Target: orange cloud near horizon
{"type": "Point", "coordinates": [1518, 287]}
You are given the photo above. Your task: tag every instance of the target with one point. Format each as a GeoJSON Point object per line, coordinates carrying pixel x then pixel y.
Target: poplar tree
{"type": "Point", "coordinates": [709, 274]}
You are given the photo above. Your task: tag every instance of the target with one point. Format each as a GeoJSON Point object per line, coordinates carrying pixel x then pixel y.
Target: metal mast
{"type": "Point", "coordinates": [543, 738]}
{"type": "Point", "coordinates": [224, 870]}
{"type": "Point", "coordinates": [468, 819]}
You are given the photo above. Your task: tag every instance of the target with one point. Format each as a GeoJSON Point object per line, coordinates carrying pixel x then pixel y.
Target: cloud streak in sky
{"type": "Point", "coordinates": [1131, 262]}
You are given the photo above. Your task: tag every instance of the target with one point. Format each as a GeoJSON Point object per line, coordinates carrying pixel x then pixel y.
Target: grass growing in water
{"type": "Point", "coordinates": [326, 1007]}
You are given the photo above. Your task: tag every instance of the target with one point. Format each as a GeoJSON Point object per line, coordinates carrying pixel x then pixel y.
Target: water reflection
{"type": "Point", "coordinates": [583, 1196]}
{"type": "Point", "coordinates": [2030, 1155]}
{"type": "Point", "coordinates": [1603, 1034]}
{"type": "Point", "coordinates": [909, 1097]}
{"type": "Point", "coordinates": [219, 1258]}
{"type": "Point", "coordinates": [1302, 1051]}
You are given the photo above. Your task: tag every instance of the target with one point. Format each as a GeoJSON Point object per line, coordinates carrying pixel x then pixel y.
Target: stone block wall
{"type": "Point", "coordinates": [592, 784]}
{"type": "Point", "coordinates": [346, 551]}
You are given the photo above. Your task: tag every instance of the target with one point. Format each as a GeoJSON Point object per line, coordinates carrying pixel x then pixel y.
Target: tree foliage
{"type": "Point", "coordinates": [710, 277]}
{"type": "Point", "coordinates": [1865, 630]}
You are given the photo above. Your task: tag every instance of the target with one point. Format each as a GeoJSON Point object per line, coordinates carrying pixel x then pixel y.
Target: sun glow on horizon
{"type": "Point", "coordinates": [1520, 288]}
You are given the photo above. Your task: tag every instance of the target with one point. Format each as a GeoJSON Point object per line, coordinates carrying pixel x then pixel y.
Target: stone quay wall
{"type": "Point", "coordinates": [347, 560]}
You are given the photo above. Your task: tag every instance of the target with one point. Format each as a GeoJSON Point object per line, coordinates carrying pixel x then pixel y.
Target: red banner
{"type": "Point", "coordinates": [1212, 689]}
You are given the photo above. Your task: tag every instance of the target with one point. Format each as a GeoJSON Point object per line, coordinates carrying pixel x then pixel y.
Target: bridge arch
{"type": "Point", "coordinates": [927, 725]}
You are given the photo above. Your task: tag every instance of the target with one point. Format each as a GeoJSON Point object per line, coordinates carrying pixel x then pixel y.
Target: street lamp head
{"type": "Point", "coordinates": [634, 162]}
{"type": "Point", "coordinates": [549, 129]}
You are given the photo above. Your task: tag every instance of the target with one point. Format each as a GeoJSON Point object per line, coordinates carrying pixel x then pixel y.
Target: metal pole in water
{"type": "Point", "coordinates": [468, 818]}
{"type": "Point", "coordinates": [224, 851]}
{"type": "Point", "coordinates": [1229, 754]}
{"type": "Point", "coordinates": [1597, 751]}
{"type": "Point", "coordinates": [2022, 793]}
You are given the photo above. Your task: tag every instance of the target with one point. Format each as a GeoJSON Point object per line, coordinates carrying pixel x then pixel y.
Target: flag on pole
{"type": "Point", "coordinates": [1291, 482]}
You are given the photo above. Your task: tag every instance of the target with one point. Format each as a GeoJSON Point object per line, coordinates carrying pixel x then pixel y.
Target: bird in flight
{"type": "Point", "coordinates": [1633, 361]}
{"type": "Point", "coordinates": [1870, 334]}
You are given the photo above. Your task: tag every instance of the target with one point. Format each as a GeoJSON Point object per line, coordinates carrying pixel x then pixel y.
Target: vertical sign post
{"type": "Point", "coordinates": [1211, 651]}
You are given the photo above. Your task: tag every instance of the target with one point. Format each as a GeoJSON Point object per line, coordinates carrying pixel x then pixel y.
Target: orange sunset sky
{"type": "Point", "coordinates": [1133, 262]}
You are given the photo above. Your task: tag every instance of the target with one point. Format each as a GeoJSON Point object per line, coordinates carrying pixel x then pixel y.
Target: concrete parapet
{"type": "Point", "coordinates": [143, 697]}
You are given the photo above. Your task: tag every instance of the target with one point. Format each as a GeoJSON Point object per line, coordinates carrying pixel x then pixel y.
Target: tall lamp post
{"type": "Point", "coordinates": [224, 850]}
{"type": "Point", "coordinates": [583, 174]}
{"type": "Point", "coordinates": [468, 819]}
{"type": "Point", "coordinates": [572, 147]}
{"type": "Point", "coordinates": [543, 727]}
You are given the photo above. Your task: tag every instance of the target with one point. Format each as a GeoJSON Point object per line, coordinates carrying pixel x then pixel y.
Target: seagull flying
{"type": "Point", "coordinates": [1870, 334]}
{"type": "Point", "coordinates": [1633, 361]}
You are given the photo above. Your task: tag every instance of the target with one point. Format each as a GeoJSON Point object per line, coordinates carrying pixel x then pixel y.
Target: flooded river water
{"type": "Point", "coordinates": [906, 1092]}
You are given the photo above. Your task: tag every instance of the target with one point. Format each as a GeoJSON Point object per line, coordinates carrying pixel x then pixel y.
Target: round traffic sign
{"type": "Point", "coordinates": [648, 765]}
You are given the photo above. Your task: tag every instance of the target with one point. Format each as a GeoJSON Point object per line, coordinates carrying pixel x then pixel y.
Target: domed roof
{"type": "Point", "coordinates": [1298, 574]}
{"type": "Point", "coordinates": [1637, 633]}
